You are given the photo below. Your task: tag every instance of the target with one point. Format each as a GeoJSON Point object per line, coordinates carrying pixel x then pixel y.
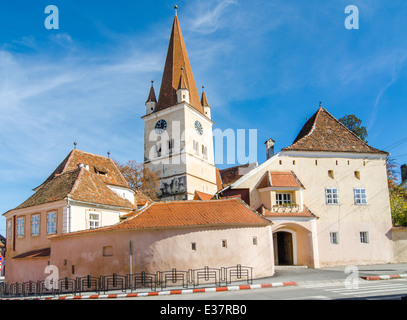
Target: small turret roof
{"type": "Point", "coordinates": [151, 95]}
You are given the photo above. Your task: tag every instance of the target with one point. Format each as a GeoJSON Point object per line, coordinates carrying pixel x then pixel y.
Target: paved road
{"type": "Point", "coordinates": [382, 289]}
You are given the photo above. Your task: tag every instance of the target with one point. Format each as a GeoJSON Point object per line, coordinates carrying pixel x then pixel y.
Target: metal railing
{"type": "Point", "coordinates": [129, 282]}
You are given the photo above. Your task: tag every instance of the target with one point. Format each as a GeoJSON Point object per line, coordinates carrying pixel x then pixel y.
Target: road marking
{"type": "Point", "coordinates": [312, 298]}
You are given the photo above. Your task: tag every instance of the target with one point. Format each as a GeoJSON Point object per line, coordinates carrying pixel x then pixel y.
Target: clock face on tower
{"type": "Point", "coordinates": [198, 127]}
{"type": "Point", "coordinates": [160, 126]}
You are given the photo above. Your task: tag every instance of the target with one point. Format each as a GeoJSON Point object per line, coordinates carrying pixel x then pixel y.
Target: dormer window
{"type": "Point", "coordinates": [101, 171]}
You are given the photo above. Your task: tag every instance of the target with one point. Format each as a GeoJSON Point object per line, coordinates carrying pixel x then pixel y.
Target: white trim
{"type": "Point", "coordinates": [291, 219]}
{"type": "Point", "coordinates": [45, 206]}
{"type": "Point", "coordinates": [330, 154]}
{"type": "Point", "coordinates": [280, 189]}
{"type": "Point", "coordinates": [254, 171]}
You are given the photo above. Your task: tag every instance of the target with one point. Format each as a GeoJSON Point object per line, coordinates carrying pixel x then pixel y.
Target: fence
{"type": "Point", "coordinates": [130, 282]}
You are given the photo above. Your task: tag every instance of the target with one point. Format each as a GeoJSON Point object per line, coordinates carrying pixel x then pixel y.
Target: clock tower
{"type": "Point", "coordinates": [178, 141]}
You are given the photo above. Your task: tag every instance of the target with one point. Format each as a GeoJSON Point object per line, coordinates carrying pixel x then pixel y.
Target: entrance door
{"type": "Point", "coordinates": [284, 248]}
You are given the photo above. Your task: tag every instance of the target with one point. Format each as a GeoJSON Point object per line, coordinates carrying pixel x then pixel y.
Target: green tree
{"type": "Point", "coordinates": [398, 195]}
{"type": "Point", "coordinates": [354, 124]}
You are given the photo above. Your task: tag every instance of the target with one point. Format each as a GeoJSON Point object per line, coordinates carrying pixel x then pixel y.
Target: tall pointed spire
{"type": "Point", "coordinates": [177, 58]}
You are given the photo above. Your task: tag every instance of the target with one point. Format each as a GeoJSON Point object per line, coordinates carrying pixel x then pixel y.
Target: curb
{"type": "Point", "coordinates": [170, 292]}
{"type": "Point", "coordinates": [385, 277]}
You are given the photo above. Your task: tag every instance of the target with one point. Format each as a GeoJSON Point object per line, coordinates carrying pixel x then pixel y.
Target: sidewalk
{"type": "Point", "coordinates": [284, 276]}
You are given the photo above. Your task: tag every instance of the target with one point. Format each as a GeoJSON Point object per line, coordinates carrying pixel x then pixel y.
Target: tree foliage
{"type": "Point", "coordinates": [354, 124]}
{"type": "Point", "coordinates": [398, 195]}
{"type": "Point", "coordinates": [140, 178]}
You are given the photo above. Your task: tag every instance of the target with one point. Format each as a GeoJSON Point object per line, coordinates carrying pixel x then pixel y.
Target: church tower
{"type": "Point", "coordinates": [178, 141]}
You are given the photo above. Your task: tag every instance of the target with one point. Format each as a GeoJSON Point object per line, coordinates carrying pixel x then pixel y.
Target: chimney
{"type": "Point", "coordinates": [403, 173]}
{"type": "Point", "coordinates": [83, 165]}
{"type": "Point", "coordinates": [269, 148]}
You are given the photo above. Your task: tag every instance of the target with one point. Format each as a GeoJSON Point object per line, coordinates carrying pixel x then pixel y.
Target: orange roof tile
{"type": "Point", "coordinates": [280, 179]}
{"type": "Point", "coordinates": [231, 174]}
{"type": "Point", "coordinates": [202, 195]}
{"type": "Point", "coordinates": [177, 58]}
{"type": "Point", "coordinates": [79, 185]}
{"type": "Point", "coordinates": [322, 132]}
{"type": "Point", "coordinates": [96, 164]}
{"type": "Point", "coordinates": [179, 214]}
{"type": "Point", "coordinates": [39, 253]}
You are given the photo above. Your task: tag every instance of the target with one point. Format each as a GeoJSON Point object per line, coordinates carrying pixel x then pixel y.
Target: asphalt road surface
{"type": "Point", "coordinates": [378, 290]}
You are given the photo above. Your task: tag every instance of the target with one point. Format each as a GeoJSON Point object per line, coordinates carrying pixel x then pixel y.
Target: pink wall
{"type": "Point", "coordinates": [162, 250]}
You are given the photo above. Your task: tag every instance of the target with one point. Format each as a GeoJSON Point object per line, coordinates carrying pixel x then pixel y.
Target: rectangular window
{"type": "Point", "coordinates": [193, 246]}
{"type": "Point", "coordinates": [9, 229]}
{"type": "Point", "coordinates": [224, 243]}
{"type": "Point", "coordinates": [20, 227]}
{"type": "Point", "coordinates": [196, 147]}
{"type": "Point", "coordinates": [255, 241]}
{"type": "Point", "coordinates": [35, 225]}
{"type": "Point", "coordinates": [170, 145]}
{"type": "Point", "coordinates": [283, 198]}
{"type": "Point", "coordinates": [364, 237]}
{"type": "Point", "coordinates": [108, 251]}
{"type": "Point", "coordinates": [52, 222]}
{"type": "Point", "coordinates": [360, 196]}
{"type": "Point", "coordinates": [331, 196]}
{"type": "Point", "coordinates": [158, 149]}
{"type": "Point", "coordinates": [93, 220]}
{"type": "Point", "coordinates": [334, 237]}
{"type": "Point", "coordinates": [204, 152]}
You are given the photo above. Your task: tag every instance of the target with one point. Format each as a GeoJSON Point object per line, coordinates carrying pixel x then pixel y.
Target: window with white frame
{"type": "Point", "coordinates": [20, 227]}
{"type": "Point", "coordinates": [35, 225]}
{"type": "Point", "coordinates": [331, 195]}
{"type": "Point", "coordinates": [9, 229]}
{"type": "Point", "coordinates": [364, 237]}
{"type": "Point", "coordinates": [52, 222]}
{"type": "Point", "coordinates": [283, 198]}
{"type": "Point", "coordinates": [360, 196]}
{"type": "Point", "coordinates": [93, 220]}
{"type": "Point", "coordinates": [334, 237]}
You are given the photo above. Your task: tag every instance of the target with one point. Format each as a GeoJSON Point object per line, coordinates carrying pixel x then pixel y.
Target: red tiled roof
{"type": "Point", "coordinates": [230, 175]}
{"type": "Point", "coordinates": [202, 195]}
{"type": "Point", "coordinates": [177, 58]}
{"type": "Point", "coordinates": [96, 164]}
{"type": "Point", "coordinates": [40, 253]}
{"type": "Point", "coordinates": [53, 190]}
{"type": "Point", "coordinates": [322, 132]}
{"type": "Point", "coordinates": [80, 185]}
{"type": "Point", "coordinates": [179, 214]}
{"type": "Point", "coordinates": [90, 188]}
{"type": "Point", "coordinates": [279, 179]}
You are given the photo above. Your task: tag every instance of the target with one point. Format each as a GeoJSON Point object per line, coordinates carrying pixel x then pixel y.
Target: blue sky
{"type": "Point", "coordinates": [265, 65]}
